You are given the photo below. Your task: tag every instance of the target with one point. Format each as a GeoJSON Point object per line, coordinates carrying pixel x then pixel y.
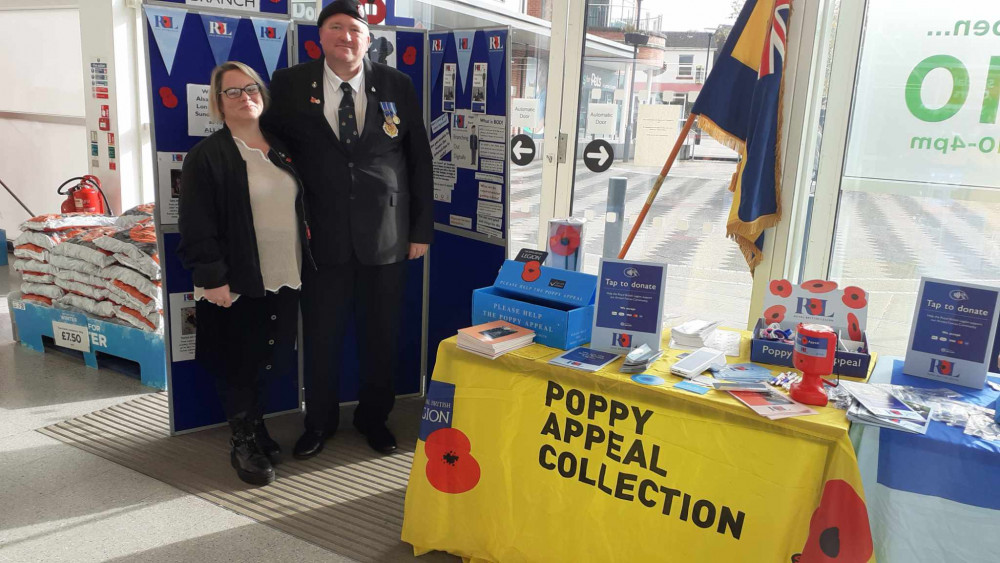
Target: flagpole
{"type": "Point", "coordinates": [656, 185]}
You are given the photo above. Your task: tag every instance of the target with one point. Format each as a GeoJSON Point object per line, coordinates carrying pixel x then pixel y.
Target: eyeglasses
{"type": "Point", "coordinates": [233, 93]}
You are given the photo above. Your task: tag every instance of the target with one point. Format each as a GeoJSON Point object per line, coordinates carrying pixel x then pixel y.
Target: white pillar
{"type": "Point", "coordinates": [112, 98]}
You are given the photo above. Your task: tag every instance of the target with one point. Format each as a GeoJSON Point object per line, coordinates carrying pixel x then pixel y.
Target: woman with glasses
{"type": "Point", "coordinates": [244, 237]}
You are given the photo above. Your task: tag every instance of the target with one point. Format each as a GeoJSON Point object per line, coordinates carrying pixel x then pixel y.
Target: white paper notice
{"type": "Point", "coordinates": [491, 165]}
{"type": "Point", "coordinates": [495, 233]}
{"type": "Point", "coordinates": [486, 177]}
{"type": "Point", "coordinates": [439, 123]}
{"type": "Point", "coordinates": [492, 192]}
{"type": "Point", "coordinates": [200, 123]}
{"type": "Point", "coordinates": [445, 173]}
{"type": "Point", "coordinates": [524, 112]}
{"type": "Point", "coordinates": [495, 151]}
{"type": "Point", "coordinates": [462, 141]}
{"type": "Point", "coordinates": [601, 119]}
{"type": "Point", "coordinates": [460, 221]}
{"type": "Point", "coordinates": [168, 183]}
{"type": "Point", "coordinates": [442, 193]}
{"type": "Point", "coordinates": [183, 326]}
{"type": "Point", "coordinates": [492, 128]}
{"type": "Point", "coordinates": [490, 208]}
{"type": "Point", "coordinates": [441, 145]}
{"type": "Point", "coordinates": [489, 221]}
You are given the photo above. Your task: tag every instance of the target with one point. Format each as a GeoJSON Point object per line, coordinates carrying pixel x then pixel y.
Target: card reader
{"type": "Point", "coordinates": [697, 362]}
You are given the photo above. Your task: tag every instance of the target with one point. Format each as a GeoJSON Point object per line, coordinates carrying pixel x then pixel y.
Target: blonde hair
{"type": "Point", "coordinates": [215, 87]}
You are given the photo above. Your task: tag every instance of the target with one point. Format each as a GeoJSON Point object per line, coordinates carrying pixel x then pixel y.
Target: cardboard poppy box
{"type": "Point", "coordinates": [817, 302]}
{"type": "Point", "coordinates": [557, 304]}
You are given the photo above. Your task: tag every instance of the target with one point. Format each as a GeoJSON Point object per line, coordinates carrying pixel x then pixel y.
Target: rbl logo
{"type": "Point", "coordinates": [622, 339]}
{"type": "Point", "coordinates": [219, 28]}
{"type": "Point", "coordinates": [268, 33]}
{"type": "Point", "coordinates": [166, 22]}
{"type": "Point", "coordinates": [495, 42]}
{"type": "Point", "coordinates": [437, 45]}
{"type": "Point", "coordinates": [811, 306]}
{"type": "Point", "coordinates": [943, 367]}
{"type": "Point", "coordinates": [463, 43]}
{"type": "Point", "coordinates": [177, 157]}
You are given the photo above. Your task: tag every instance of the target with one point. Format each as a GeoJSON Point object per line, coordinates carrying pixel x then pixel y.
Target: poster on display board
{"type": "Point", "coordinates": [469, 129]}
{"type": "Point", "coordinates": [935, 80]}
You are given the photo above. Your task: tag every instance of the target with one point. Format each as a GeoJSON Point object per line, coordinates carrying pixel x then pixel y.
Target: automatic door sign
{"type": "Point", "coordinates": [598, 155]}
{"type": "Point", "coordinates": [522, 150]}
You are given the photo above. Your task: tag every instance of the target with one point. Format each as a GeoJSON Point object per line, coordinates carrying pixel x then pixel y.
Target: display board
{"type": "Point", "coordinates": [470, 138]}
{"type": "Point", "coordinates": [183, 46]}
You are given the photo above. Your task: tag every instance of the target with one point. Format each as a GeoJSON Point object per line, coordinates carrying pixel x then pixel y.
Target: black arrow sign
{"type": "Point", "coordinates": [522, 150]}
{"type": "Point", "coordinates": [598, 155]}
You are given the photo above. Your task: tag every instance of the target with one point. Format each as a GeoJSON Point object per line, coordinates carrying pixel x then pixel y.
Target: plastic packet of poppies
{"type": "Point", "coordinates": [565, 243]}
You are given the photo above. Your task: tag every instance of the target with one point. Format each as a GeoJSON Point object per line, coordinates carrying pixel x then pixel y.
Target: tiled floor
{"type": "Point", "coordinates": [58, 503]}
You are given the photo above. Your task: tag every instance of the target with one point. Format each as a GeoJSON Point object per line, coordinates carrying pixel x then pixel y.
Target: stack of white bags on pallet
{"type": "Point", "coordinates": [106, 267]}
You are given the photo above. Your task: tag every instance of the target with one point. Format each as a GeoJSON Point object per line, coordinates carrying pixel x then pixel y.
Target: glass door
{"type": "Point", "coordinates": [907, 182]}
{"type": "Point", "coordinates": [643, 65]}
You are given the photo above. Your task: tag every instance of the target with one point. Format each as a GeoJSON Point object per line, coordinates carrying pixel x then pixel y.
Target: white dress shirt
{"type": "Point", "coordinates": [332, 95]}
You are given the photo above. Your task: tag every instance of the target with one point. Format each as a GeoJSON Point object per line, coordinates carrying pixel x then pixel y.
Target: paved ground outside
{"type": "Point", "coordinates": [885, 243]}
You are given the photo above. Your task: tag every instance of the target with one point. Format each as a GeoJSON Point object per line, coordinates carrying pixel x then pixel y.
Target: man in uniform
{"type": "Point", "coordinates": [356, 132]}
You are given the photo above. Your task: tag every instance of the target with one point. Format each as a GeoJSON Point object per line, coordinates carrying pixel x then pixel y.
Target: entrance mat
{"type": "Point", "coordinates": [348, 499]}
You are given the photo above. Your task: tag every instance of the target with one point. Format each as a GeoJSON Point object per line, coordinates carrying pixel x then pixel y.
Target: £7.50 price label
{"type": "Point", "coordinates": [74, 337]}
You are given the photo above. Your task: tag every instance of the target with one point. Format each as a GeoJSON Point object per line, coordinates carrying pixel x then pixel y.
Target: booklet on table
{"type": "Point", "coordinates": [585, 359]}
{"type": "Point", "coordinates": [494, 339]}
{"type": "Point", "coordinates": [771, 404]}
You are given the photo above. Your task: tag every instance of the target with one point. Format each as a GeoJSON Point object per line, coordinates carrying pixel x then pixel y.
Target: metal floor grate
{"type": "Point", "coordinates": [348, 499]}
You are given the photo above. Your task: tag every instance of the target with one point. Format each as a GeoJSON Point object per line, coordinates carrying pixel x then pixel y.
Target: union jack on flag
{"type": "Point", "coordinates": [773, 56]}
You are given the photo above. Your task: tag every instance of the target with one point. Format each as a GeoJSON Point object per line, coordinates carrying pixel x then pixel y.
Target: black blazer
{"type": "Point", "coordinates": [218, 240]}
{"type": "Point", "coordinates": [374, 200]}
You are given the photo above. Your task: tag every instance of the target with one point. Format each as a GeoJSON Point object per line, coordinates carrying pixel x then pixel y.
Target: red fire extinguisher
{"type": "Point", "coordinates": [85, 197]}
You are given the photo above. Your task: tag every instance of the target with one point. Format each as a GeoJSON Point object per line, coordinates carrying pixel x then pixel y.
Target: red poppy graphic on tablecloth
{"type": "Point", "coordinates": [855, 298]}
{"type": "Point", "coordinates": [167, 97]}
{"type": "Point", "coordinates": [854, 327]}
{"type": "Point", "coordinates": [313, 50]}
{"type": "Point", "coordinates": [838, 530]}
{"type": "Point", "coordinates": [781, 288]}
{"type": "Point", "coordinates": [410, 55]}
{"type": "Point", "coordinates": [819, 286]}
{"type": "Point", "coordinates": [451, 468]}
{"type": "Point", "coordinates": [774, 314]}
{"type": "Point", "coordinates": [532, 270]}
{"type": "Point", "coordinates": [565, 241]}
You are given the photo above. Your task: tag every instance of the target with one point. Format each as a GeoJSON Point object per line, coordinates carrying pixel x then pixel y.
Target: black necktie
{"type": "Point", "coordinates": [348, 121]}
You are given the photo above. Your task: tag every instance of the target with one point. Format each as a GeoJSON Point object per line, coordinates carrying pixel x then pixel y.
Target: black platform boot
{"type": "Point", "coordinates": [267, 445]}
{"type": "Point", "coordinates": [250, 463]}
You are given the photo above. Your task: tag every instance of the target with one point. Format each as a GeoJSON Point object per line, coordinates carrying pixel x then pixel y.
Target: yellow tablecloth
{"type": "Point", "coordinates": [520, 460]}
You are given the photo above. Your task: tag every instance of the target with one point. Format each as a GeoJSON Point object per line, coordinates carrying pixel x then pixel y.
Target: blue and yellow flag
{"type": "Point", "coordinates": [740, 106]}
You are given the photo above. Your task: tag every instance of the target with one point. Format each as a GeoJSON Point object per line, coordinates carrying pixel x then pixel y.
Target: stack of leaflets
{"type": "Point", "coordinates": [692, 334]}
{"type": "Point", "coordinates": [639, 359]}
{"type": "Point", "coordinates": [876, 406]}
{"type": "Point", "coordinates": [771, 404]}
{"type": "Point", "coordinates": [494, 339]}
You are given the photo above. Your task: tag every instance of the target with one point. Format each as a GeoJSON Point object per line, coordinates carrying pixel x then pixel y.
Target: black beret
{"type": "Point", "coordinates": [349, 7]}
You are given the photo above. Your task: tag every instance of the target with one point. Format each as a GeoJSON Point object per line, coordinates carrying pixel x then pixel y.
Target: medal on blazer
{"type": "Point", "coordinates": [391, 119]}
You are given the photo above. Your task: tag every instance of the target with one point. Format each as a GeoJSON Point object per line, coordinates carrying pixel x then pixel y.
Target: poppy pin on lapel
{"type": "Point", "coordinates": [314, 99]}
